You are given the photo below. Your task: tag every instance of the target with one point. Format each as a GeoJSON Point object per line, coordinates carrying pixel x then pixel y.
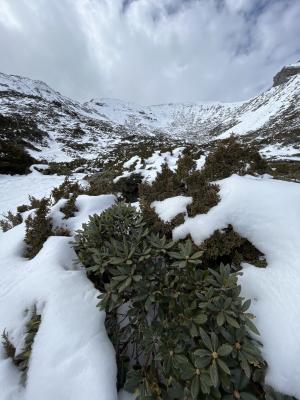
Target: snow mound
{"type": "Point", "coordinates": [266, 212]}
{"type": "Point", "coordinates": [72, 357]}
{"type": "Point", "coordinates": [168, 209]}
{"type": "Point", "coordinates": [152, 165]}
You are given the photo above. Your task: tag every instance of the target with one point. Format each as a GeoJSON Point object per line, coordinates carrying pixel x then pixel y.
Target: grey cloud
{"type": "Point", "coordinates": [150, 51]}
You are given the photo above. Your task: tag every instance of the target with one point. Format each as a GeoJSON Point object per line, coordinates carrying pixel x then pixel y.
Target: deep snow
{"type": "Point", "coordinates": [266, 212]}
{"type": "Point", "coordinates": [72, 357]}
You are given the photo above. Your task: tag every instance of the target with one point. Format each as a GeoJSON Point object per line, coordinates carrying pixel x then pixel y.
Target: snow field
{"type": "Point", "coordinates": [72, 357]}
{"type": "Point", "coordinates": [267, 213]}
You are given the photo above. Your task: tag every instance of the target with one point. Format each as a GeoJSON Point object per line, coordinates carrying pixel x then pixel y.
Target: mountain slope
{"type": "Point", "coordinates": [57, 128]}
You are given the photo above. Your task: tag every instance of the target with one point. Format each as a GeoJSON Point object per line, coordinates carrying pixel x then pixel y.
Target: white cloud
{"type": "Point", "coordinates": [150, 51]}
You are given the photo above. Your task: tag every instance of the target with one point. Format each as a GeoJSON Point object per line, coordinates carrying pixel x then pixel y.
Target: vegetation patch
{"type": "Point", "coordinates": [64, 190]}
{"type": "Point", "coordinates": [10, 220]}
{"type": "Point", "coordinates": [69, 209]}
{"type": "Point", "coordinates": [286, 170]}
{"type": "Point", "coordinates": [14, 159]}
{"type": "Point", "coordinates": [101, 182]}
{"type": "Point", "coordinates": [181, 330]}
{"type": "Point", "coordinates": [231, 157]}
{"type": "Point", "coordinates": [66, 168]}
{"type": "Point", "coordinates": [22, 359]}
{"type": "Point", "coordinates": [227, 246]}
{"type": "Point", "coordinates": [38, 229]}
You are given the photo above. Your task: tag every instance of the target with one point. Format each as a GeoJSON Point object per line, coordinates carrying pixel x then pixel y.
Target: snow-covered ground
{"type": "Point", "coordinates": [72, 357]}
{"type": "Point", "coordinates": [266, 212]}
{"type": "Point", "coordinates": [15, 189]}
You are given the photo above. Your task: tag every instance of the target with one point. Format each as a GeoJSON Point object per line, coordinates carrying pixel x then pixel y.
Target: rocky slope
{"type": "Point", "coordinates": [54, 127]}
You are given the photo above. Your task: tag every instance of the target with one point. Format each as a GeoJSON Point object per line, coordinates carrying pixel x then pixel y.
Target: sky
{"type": "Point", "coordinates": [150, 51]}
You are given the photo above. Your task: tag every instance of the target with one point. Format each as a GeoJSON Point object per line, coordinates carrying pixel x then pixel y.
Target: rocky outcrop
{"type": "Point", "coordinates": [286, 73]}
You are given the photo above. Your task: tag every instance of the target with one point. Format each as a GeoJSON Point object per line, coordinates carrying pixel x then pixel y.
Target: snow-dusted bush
{"type": "Point", "coordinates": [10, 220]}
{"type": "Point", "coordinates": [231, 157]}
{"type": "Point", "coordinates": [180, 331]}
{"type": "Point", "coordinates": [128, 186]}
{"type": "Point", "coordinates": [70, 208]}
{"type": "Point", "coordinates": [38, 229]}
{"type": "Point", "coordinates": [101, 182]}
{"type": "Point", "coordinates": [22, 358]}
{"type": "Point", "coordinates": [184, 181]}
{"type": "Point", "coordinates": [14, 159]}
{"type": "Point", "coordinates": [228, 246]}
{"type": "Point", "coordinates": [64, 190]}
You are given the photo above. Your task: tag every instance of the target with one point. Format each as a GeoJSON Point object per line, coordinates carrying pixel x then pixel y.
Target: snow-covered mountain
{"type": "Point", "coordinates": [55, 127]}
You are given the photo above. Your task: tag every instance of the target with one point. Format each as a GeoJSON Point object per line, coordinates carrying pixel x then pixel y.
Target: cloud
{"type": "Point", "coordinates": [150, 51]}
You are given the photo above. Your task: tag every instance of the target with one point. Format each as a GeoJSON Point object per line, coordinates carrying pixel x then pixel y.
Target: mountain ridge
{"type": "Point", "coordinates": [69, 129]}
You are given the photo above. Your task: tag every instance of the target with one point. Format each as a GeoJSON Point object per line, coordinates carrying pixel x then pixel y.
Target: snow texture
{"type": "Point", "coordinates": [72, 357]}
{"type": "Point", "coordinates": [15, 189]}
{"type": "Point", "coordinates": [168, 209]}
{"type": "Point", "coordinates": [266, 212]}
{"type": "Point", "coordinates": [152, 165]}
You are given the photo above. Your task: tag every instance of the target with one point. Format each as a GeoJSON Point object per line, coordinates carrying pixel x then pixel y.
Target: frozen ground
{"type": "Point", "coordinates": [15, 189]}
{"type": "Point", "coordinates": [72, 357]}
{"type": "Point", "coordinates": [266, 212]}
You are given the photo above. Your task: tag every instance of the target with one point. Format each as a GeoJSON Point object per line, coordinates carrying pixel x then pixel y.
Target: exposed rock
{"type": "Point", "coordinates": [286, 73]}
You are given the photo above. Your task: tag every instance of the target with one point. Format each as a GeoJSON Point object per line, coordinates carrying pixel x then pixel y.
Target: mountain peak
{"type": "Point", "coordinates": [286, 73]}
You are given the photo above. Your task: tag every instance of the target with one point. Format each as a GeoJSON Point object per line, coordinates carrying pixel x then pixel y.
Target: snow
{"type": "Point", "coordinates": [168, 209]}
{"type": "Point", "coordinates": [255, 113]}
{"type": "Point", "coordinates": [28, 86]}
{"type": "Point", "coordinates": [186, 121]}
{"type": "Point", "coordinates": [15, 189]}
{"type": "Point", "coordinates": [281, 152]}
{"type": "Point", "coordinates": [87, 205]}
{"type": "Point", "coordinates": [200, 162]}
{"type": "Point", "coordinates": [266, 212]}
{"type": "Point", "coordinates": [72, 357]}
{"type": "Point", "coordinates": [152, 165]}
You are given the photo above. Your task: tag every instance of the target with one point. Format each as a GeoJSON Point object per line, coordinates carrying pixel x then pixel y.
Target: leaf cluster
{"type": "Point", "coordinates": [180, 331]}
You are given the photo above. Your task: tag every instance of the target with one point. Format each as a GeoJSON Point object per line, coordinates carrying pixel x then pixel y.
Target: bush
{"type": "Point", "coordinates": [70, 208]}
{"type": "Point", "coordinates": [14, 159]}
{"type": "Point", "coordinates": [21, 360]}
{"type": "Point", "coordinates": [205, 195]}
{"type": "Point", "coordinates": [63, 191]}
{"type": "Point", "coordinates": [227, 246]}
{"type": "Point", "coordinates": [101, 183]}
{"type": "Point", "coordinates": [38, 229]}
{"type": "Point", "coordinates": [230, 157]}
{"type": "Point", "coordinates": [180, 331]}
{"type": "Point", "coordinates": [128, 186]}
{"type": "Point", "coordinates": [184, 181]}
{"type": "Point", "coordinates": [10, 221]}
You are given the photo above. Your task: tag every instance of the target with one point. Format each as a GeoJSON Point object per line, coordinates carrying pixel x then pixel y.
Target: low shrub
{"type": "Point", "coordinates": [70, 208]}
{"type": "Point", "coordinates": [227, 246]}
{"type": "Point", "coordinates": [21, 360]}
{"type": "Point", "coordinates": [205, 195]}
{"type": "Point", "coordinates": [183, 181]}
{"type": "Point", "coordinates": [10, 220]}
{"type": "Point", "coordinates": [38, 229]}
{"type": "Point", "coordinates": [63, 191]}
{"type": "Point", "coordinates": [14, 159]}
{"type": "Point", "coordinates": [101, 182]}
{"type": "Point", "coordinates": [230, 157]}
{"type": "Point", "coordinates": [128, 186]}
{"type": "Point", "coordinates": [180, 331]}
